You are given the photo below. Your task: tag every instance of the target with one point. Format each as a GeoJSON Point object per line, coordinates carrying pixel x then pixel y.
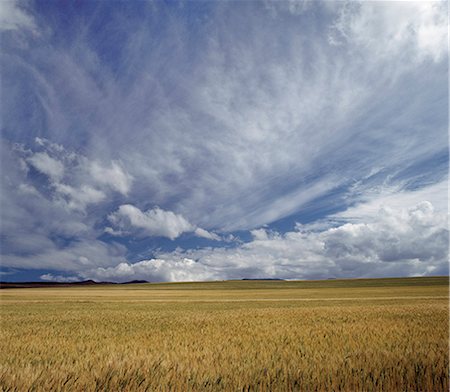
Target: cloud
{"type": "Point", "coordinates": [418, 29]}
{"type": "Point", "coordinates": [199, 232]}
{"type": "Point", "coordinates": [59, 278]}
{"type": "Point", "coordinates": [248, 144]}
{"type": "Point", "coordinates": [47, 165]}
{"type": "Point", "coordinates": [113, 176]}
{"type": "Point", "coordinates": [115, 233]}
{"type": "Point", "coordinates": [13, 17]}
{"type": "Point", "coordinates": [44, 224]}
{"type": "Point", "coordinates": [155, 270]}
{"type": "Point", "coordinates": [406, 242]}
{"type": "Point", "coordinates": [29, 190]}
{"type": "Point", "coordinates": [154, 222]}
{"type": "Point", "coordinates": [371, 201]}
{"type": "Point", "coordinates": [41, 253]}
{"type": "Point", "coordinates": [94, 120]}
{"type": "Point", "coordinates": [259, 234]}
{"type": "Point", "coordinates": [79, 198]}
{"type": "Point", "coordinates": [415, 235]}
{"type": "Point", "coordinates": [74, 179]}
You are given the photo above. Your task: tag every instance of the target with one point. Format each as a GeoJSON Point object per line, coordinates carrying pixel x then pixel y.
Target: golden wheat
{"type": "Point", "coordinates": [230, 336]}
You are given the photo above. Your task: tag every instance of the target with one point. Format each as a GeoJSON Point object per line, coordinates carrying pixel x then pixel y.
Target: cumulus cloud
{"type": "Point", "coordinates": [259, 234]}
{"type": "Point", "coordinates": [44, 224]}
{"type": "Point", "coordinates": [154, 222]}
{"type": "Point", "coordinates": [74, 179]}
{"type": "Point", "coordinates": [415, 235]}
{"type": "Point", "coordinates": [410, 242]}
{"type": "Point", "coordinates": [156, 270]}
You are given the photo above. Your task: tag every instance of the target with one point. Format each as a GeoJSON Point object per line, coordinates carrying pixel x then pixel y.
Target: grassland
{"type": "Point", "coordinates": [351, 335]}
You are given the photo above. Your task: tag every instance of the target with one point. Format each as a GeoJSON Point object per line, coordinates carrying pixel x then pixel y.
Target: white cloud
{"type": "Point", "coordinates": [155, 270]}
{"type": "Point", "coordinates": [259, 234]}
{"type": "Point", "coordinates": [79, 198]}
{"type": "Point", "coordinates": [114, 176]}
{"type": "Point", "coordinates": [417, 29]}
{"type": "Point", "coordinates": [199, 232]}
{"type": "Point", "coordinates": [47, 144]}
{"type": "Point", "coordinates": [283, 205]}
{"type": "Point", "coordinates": [115, 233]}
{"type": "Point", "coordinates": [225, 142]}
{"type": "Point", "coordinates": [40, 230]}
{"type": "Point", "coordinates": [372, 201]}
{"type": "Point", "coordinates": [154, 222]}
{"type": "Point", "coordinates": [51, 167]}
{"type": "Point", "coordinates": [59, 278]}
{"type": "Point", "coordinates": [13, 17]}
{"type": "Point", "coordinates": [401, 242]}
{"type": "Point", "coordinates": [248, 144]}
{"type": "Point", "coordinates": [414, 234]}
{"type": "Point", "coordinates": [74, 179]}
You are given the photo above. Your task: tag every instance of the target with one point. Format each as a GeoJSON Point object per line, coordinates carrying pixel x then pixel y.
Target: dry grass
{"type": "Point", "coordinates": [385, 335]}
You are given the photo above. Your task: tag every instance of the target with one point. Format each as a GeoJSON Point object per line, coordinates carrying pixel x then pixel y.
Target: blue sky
{"type": "Point", "coordinates": [173, 141]}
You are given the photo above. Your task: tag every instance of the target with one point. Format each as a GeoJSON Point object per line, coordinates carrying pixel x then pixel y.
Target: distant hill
{"type": "Point", "coordinates": [135, 282]}
{"type": "Point", "coordinates": [21, 285]}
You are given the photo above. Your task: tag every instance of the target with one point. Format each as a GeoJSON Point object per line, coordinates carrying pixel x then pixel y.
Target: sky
{"type": "Point", "coordinates": [190, 140]}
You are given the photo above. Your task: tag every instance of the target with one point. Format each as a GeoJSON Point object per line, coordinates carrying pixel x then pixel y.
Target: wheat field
{"type": "Point", "coordinates": [337, 335]}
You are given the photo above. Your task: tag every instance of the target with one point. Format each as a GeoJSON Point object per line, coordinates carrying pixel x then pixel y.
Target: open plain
{"type": "Point", "coordinates": [350, 335]}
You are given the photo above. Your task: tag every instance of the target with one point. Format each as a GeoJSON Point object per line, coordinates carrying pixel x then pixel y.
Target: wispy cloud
{"type": "Point", "coordinates": [372, 201]}
{"type": "Point", "coordinates": [59, 278]}
{"type": "Point", "coordinates": [47, 165]}
{"type": "Point", "coordinates": [228, 116]}
{"type": "Point", "coordinates": [413, 29]}
{"type": "Point", "coordinates": [113, 176]}
{"type": "Point", "coordinates": [15, 17]}
{"type": "Point", "coordinates": [199, 232]}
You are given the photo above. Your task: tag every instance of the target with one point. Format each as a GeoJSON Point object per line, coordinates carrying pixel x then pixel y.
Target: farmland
{"type": "Point", "coordinates": [368, 334]}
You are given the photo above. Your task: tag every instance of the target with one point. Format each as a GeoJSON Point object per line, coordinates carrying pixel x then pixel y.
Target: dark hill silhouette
{"type": "Point", "coordinates": [135, 282]}
{"type": "Point", "coordinates": [90, 282]}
